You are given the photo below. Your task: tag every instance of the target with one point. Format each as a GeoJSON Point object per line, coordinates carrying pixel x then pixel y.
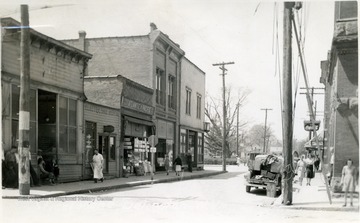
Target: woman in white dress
{"type": "Point", "coordinates": [98, 166]}
{"type": "Point", "coordinates": [301, 169]}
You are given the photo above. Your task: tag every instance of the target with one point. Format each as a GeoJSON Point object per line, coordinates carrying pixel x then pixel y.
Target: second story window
{"type": "Point", "coordinates": [188, 101]}
{"type": "Point", "coordinates": [160, 86]}
{"type": "Point", "coordinates": [171, 92]}
{"type": "Point", "coordinates": [198, 106]}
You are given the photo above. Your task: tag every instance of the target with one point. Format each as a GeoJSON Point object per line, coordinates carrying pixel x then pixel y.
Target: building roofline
{"type": "Point", "coordinates": [194, 65]}
{"type": "Point", "coordinates": [16, 25]}
{"type": "Point", "coordinates": [109, 37]}
{"type": "Point", "coordinates": [122, 77]}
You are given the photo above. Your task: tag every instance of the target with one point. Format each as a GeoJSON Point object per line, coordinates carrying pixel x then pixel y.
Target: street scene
{"type": "Point", "coordinates": [220, 197]}
{"type": "Point", "coordinates": [173, 111]}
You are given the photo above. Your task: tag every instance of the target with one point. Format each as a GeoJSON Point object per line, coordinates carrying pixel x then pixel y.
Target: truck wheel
{"type": "Point", "coordinates": [248, 188]}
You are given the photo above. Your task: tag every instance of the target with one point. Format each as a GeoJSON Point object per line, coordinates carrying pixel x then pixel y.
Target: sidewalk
{"type": "Point", "coordinates": [315, 197]}
{"type": "Point", "coordinates": [88, 186]}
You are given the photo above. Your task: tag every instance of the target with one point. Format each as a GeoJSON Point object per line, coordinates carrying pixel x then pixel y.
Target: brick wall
{"type": "Point", "coordinates": [127, 56]}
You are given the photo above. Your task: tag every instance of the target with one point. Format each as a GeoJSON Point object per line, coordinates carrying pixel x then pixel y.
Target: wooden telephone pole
{"type": "Point", "coordinates": [222, 67]}
{"type": "Point", "coordinates": [266, 110]}
{"type": "Point", "coordinates": [237, 129]}
{"type": "Point", "coordinates": [24, 111]}
{"type": "Point", "coordinates": [287, 104]}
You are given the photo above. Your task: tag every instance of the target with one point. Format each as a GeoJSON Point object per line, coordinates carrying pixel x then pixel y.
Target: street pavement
{"type": "Point", "coordinates": [312, 197]}
{"type": "Point", "coordinates": [216, 198]}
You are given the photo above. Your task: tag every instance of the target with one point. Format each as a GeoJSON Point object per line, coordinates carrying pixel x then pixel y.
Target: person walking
{"type": "Point", "coordinates": [349, 180]}
{"type": "Point", "coordinates": [300, 169]}
{"type": "Point", "coordinates": [309, 169]}
{"type": "Point", "coordinates": [98, 166]}
{"type": "Point", "coordinates": [178, 164]}
{"type": "Point", "coordinates": [189, 161]}
{"type": "Point", "coordinates": [167, 164]}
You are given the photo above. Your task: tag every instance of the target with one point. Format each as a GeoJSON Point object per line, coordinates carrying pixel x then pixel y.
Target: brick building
{"type": "Point", "coordinates": [154, 61]}
{"type": "Point", "coordinates": [56, 98]}
{"type": "Point", "coordinates": [340, 77]}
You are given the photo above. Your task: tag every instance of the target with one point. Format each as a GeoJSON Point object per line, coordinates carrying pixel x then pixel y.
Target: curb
{"type": "Point", "coordinates": [342, 209]}
{"type": "Point", "coordinates": [113, 187]}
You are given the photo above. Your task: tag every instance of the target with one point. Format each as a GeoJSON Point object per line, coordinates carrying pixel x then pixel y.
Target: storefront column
{"type": "Point", "coordinates": [80, 132]}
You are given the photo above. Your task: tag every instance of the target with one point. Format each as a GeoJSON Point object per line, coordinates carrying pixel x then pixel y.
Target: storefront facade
{"type": "Point", "coordinates": [56, 99]}
{"type": "Point", "coordinates": [102, 131]}
{"type": "Point", "coordinates": [192, 91]}
{"type": "Point", "coordinates": [133, 124]}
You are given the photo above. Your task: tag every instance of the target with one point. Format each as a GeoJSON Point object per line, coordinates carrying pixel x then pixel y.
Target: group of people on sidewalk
{"type": "Point", "coordinates": [47, 170]}
{"type": "Point", "coordinates": [97, 165]}
{"type": "Point", "coordinates": [349, 177]}
{"type": "Point", "coordinates": [306, 168]}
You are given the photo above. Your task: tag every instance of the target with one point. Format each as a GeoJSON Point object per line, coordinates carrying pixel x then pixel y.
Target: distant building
{"type": "Point", "coordinates": [340, 77]}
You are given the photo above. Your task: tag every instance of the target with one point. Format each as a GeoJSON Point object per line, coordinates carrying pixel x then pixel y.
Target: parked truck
{"type": "Point", "coordinates": [264, 170]}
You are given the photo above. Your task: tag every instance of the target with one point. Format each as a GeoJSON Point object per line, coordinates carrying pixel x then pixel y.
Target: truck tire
{"type": "Point", "coordinates": [248, 188]}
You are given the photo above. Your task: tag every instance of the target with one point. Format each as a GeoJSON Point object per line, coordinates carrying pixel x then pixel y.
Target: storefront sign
{"type": "Point", "coordinates": [128, 103]}
{"type": "Point", "coordinates": [99, 109]}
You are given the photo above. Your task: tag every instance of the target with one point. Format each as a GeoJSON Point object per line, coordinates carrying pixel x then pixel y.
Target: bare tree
{"type": "Point", "coordinates": [213, 112]}
{"type": "Point", "coordinates": [256, 137]}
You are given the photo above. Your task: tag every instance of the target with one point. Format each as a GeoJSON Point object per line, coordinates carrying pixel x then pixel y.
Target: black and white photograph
{"type": "Point", "coordinates": [179, 111]}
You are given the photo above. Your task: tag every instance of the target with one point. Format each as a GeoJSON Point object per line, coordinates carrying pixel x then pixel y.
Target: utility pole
{"type": "Point", "coordinates": [222, 67]}
{"type": "Point", "coordinates": [237, 130]}
{"type": "Point", "coordinates": [24, 105]}
{"type": "Point", "coordinates": [266, 110]}
{"type": "Point", "coordinates": [287, 104]}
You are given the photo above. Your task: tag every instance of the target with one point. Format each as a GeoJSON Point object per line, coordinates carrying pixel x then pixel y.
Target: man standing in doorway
{"type": "Point", "coordinates": [189, 161]}
{"type": "Point", "coordinates": [98, 166]}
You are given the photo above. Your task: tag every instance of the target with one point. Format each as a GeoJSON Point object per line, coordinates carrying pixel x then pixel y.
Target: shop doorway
{"type": "Point", "coordinates": [106, 145]}
{"type": "Point", "coordinates": [47, 144]}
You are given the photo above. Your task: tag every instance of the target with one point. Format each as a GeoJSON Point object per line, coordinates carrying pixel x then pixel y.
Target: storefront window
{"type": "Point", "coordinates": [183, 143]}
{"type": "Point", "coordinates": [67, 122]}
{"type": "Point", "coordinates": [72, 140]}
{"type": "Point", "coordinates": [72, 112]}
{"type": "Point", "coordinates": [200, 148]}
{"type": "Point", "coordinates": [63, 139]}
{"type": "Point", "coordinates": [63, 111]}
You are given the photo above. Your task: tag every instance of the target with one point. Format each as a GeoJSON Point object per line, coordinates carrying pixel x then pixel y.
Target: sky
{"type": "Point", "coordinates": [248, 33]}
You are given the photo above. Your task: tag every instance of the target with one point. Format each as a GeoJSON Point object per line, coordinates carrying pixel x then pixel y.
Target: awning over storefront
{"type": "Point", "coordinates": [139, 121]}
